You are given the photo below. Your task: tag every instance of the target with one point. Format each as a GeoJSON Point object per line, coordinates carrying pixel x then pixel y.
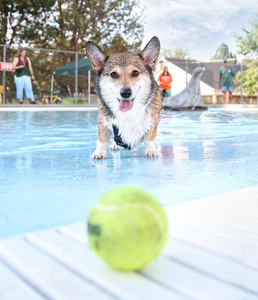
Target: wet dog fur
{"type": "Point", "coordinates": [129, 99]}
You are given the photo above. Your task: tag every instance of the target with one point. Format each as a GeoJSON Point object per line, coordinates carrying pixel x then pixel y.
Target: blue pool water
{"type": "Point", "coordinates": [47, 178]}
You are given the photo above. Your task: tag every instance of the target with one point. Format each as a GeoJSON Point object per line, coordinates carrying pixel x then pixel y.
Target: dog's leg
{"type": "Point", "coordinates": [149, 143]}
{"type": "Point", "coordinates": [102, 144]}
{"type": "Point", "coordinates": [114, 146]}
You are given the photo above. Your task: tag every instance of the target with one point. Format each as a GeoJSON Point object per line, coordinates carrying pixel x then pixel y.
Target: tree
{"type": "Point", "coordinates": [180, 53]}
{"type": "Point", "coordinates": [19, 17]}
{"type": "Point", "coordinates": [115, 25]}
{"type": "Point", "coordinates": [223, 52]}
{"type": "Point", "coordinates": [250, 78]}
{"type": "Point", "coordinates": [166, 53]}
{"type": "Point", "coordinates": [72, 23]}
{"type": "Point", "coordinates": [248, 44]}
{"type": "Point", "coordinates": [176, 53]}
{"type": "Point", "coordinates": [118, 45]}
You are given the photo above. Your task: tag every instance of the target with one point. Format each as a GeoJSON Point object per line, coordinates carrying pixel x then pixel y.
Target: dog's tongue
{"type": "Point", "coordinates": [125, 105]}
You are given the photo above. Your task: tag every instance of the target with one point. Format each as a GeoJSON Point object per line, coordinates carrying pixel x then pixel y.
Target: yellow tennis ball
{"type": "Point", "coordinates": [127, 227]}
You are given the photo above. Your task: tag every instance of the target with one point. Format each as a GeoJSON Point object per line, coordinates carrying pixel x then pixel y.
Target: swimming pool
{"type": "Point", "coordinates": [47, 178]}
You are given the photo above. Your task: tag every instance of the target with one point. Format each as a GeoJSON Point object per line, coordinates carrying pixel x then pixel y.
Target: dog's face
{"type": "Point", "coordinates": [125, 81]}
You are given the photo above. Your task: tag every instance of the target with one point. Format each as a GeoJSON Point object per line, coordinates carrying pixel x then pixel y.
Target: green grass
{"type": "Point", "coordinates": [71, 100]}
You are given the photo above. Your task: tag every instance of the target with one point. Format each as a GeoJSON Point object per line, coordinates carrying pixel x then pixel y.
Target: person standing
{"type": "Point", "coordinates": [23, 76]}
{"type": "Point", "coordinates": [227, 80]}
{"type": "Point", "coordinates": [165, 80]}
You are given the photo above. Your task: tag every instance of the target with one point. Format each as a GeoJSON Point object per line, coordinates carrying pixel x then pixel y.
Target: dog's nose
{"type": "Point", "coordinates": [126, 92]}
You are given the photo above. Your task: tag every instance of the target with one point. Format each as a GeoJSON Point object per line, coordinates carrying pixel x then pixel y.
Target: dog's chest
{"type": "Point", "coordinates": [132, 127]}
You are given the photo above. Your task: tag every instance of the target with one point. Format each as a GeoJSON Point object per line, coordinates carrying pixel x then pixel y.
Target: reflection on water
{"type": "Point", "coordinates": [48, 179]}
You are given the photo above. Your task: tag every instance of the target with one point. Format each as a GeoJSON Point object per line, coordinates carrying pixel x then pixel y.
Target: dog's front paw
{"type": "Point", "coordinates": [151, 153]}
{"type": "Point", "coordinates": [150, 149]}
{"type": "Point", "coordinates": [98, 155]}
{"type": "Point", "coordinates": [114, 146]}
{"type": "Point", "coordinates": [100, 151]}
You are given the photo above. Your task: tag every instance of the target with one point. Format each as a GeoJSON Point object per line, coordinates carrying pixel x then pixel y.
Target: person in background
{"type": "Point", "coordinates": [164, 81]}
{"type": "Point", "coordinates": [23, 76]}
{"type": "Point", "coordinates": [227, 80]}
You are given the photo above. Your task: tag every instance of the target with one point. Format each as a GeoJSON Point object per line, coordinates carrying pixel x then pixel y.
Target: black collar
{"type": "Point", "coordinates": [118, 139]}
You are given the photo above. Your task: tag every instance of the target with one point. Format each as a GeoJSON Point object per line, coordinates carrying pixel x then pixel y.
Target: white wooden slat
{"type": "Point", "coordinates": [219, 245]}
{"type": "Point", "coordinates": [75, 231]}
{"type": "Point", "coordinates": [25, 273]}
{"type": "Point", "coordinates": [213, 265]}
{"type": "Point", "coordinates": [191, 282]}
{"type": "Point", "coordinates": [206, 262]}
{"type": "Point", "coordinates": [47, 276]}
{"type": "Point", "coordinates": [181, 278]}
{"type": "Point", "coordinates": [245, 230]}
{"type": "Point", "coordinates": [13, 287]}
{"type": "Point", "coordinates": [126, 285]}
{"type": "Point", "coordinates": [218, 223]}
{"type": "Point", "coordinates": [243, 237]}
{"type": "Point", "coordinates": [245, 226]}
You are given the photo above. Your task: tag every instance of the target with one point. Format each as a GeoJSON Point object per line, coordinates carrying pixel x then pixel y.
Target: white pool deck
{"type": "Point", "coordinates": [81, 107]}
{"type": "Point", "coordinates": [211, 254]}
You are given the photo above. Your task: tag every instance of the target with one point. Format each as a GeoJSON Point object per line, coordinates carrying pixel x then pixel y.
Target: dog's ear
{"type": "Point", "coordinates": [95, 55]}
{"type": "Point", "coordinates": [151, 52]}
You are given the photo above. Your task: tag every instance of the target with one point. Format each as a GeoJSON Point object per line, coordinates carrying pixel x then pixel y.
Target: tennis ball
{"type": "Point", "coordinates": [127, 227]}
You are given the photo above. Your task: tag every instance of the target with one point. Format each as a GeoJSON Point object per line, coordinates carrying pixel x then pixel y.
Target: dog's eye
{"type": "Point", "coordinates": [135, 73]}
{"type": "Point", "coordinates": [114, 75]}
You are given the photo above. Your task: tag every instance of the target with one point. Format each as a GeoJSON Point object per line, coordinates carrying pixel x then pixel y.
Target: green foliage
{"type": "Point", "coordinates": [248, 44]}
{"type": "Point", "coordinates": [166, 53]}
{"type": "Point", "coordinates": [21, 17]}
{"type": "Point", "coordinates": [180, 53]}
{"type": "Point", "coordinates": [223, 52]}
{"type": "Point", "coordinates": [73, 23]}
{"type": "Point", "coordinates": [71, 100]}
{"type": "Point", "coordinates": [176, 53]}
{"type": "Point", "coordinates": [67, 25]}
{"type": "Point", "coordinates": [118, 45]}
{"type": "Point", "coordinates": [250, 78]}
{"type": "Point", "coordinates": [115, 25]}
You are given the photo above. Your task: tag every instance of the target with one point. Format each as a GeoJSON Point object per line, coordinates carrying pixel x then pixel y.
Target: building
{"type": "Point", "coordinates": [181, 71]}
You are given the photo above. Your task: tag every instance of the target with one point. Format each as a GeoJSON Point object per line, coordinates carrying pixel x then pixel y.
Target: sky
{"type": "Point", "coordinates": [197, 26]}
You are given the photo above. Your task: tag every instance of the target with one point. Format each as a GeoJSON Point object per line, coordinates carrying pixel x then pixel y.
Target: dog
{"type": "Point", "coordinates": [128, 98]}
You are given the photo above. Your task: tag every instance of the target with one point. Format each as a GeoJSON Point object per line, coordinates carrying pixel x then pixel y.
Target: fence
{"type": "Point", "coordinates": [44, 62]}
{"type": "Point", "coordinates": [77, 89]}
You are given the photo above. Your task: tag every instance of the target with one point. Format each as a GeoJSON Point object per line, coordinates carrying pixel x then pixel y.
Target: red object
{"type": "Point", "coordinates": [6, 66]}
{"type": "Point", "coordinates": [165, 81]}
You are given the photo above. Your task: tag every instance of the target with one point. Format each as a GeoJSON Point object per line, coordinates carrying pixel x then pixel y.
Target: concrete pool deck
{"type": "Point", "coordinates": [211, 253]}
{"type": "Point", "coordinates": [30, 107]}
{"type": "Point", "coordinates": [76, 107]}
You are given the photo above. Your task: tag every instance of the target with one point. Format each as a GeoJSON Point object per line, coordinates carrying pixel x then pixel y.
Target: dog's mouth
{"type": "Point", "coordinates": [125, 105]}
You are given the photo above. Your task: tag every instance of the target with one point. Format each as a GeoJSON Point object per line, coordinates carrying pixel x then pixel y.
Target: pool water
{"type": "Point", "coordinates": [47, 178]}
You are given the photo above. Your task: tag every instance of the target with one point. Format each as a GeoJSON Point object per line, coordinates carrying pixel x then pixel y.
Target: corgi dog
{"type": "Point", "coordinates": [129, 99]}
